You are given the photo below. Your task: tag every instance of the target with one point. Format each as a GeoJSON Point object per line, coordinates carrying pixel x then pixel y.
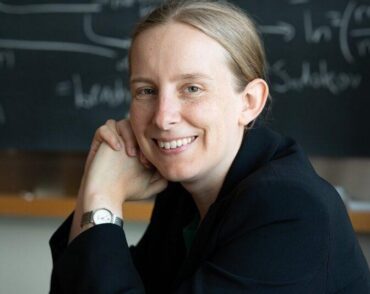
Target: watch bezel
{"type": "Point", "coordinates": [97, 218]}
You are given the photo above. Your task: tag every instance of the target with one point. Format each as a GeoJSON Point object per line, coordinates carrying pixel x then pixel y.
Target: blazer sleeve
{"type": "Point", "coordinates": [99, 260]}
{"type": "Point", "coordinates": [96, 261]}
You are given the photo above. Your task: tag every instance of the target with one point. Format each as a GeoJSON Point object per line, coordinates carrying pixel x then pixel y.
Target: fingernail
{"type": "Point", "coordinates": [118, 146]}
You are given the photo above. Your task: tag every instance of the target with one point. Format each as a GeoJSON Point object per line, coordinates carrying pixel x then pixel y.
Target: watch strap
{"type": "Point", "coordinates": [87, 218]}
{"type": "Point", "coordinates": [117, 221]}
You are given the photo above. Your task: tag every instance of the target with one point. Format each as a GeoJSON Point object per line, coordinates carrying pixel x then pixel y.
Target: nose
{"type": "Point", "coordinates": [167, 112]}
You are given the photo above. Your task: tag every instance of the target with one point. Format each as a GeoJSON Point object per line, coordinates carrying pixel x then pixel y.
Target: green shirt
{"type": "Point", "coordinates": [190, 231]}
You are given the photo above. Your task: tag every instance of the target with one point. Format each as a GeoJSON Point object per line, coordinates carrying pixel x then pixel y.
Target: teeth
{"type": "Point", "coordinates": [175, 143]}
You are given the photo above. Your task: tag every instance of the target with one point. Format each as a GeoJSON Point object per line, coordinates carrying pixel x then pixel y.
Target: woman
{"type": "Point", "coordinates": [239, 208]}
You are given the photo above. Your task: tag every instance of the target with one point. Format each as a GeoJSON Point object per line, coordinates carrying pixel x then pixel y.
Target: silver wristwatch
{"type": "Point", "coordinates": [100, 216]}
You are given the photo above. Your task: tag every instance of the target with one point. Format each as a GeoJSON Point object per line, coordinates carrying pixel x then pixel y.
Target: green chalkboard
{"type": "Point", "coordinates": [63, 70]}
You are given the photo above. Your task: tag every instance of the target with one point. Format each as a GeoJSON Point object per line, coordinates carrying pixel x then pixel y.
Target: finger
{"type": "Point", "coordinates": [125, 131]}
{"type": "Point", "coordinates": [155, 177]}
{"type": "Point", "coordinates": [144, 160]}
{"type": "Point", "coordinates": [107, 133]}
{"type": "Point", "coordinates": [97, 140]}
{"type": "Point", "coordinates": [157, 187]}
{"type": "Point", "coordinates": [90, 156]}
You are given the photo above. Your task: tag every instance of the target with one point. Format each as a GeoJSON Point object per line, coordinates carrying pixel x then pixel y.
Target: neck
{"type": "Point", "coordinates": [203, 195]}
{"type": "Point", "coordinates": [205, 189]}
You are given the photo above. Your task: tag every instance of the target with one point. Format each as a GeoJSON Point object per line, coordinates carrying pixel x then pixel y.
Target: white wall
{"type": "Point", "coordinates": [25, 258]}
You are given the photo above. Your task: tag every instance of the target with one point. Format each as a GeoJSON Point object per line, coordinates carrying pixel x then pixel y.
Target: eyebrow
{"type": "Point", "coordinates": [190, 76]}
{"type": "Point", "coordinates": [141, 80]}
{"type": "Point", "coordinates": [193, 76]}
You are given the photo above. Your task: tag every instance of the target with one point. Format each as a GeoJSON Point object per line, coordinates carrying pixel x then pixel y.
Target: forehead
{"type": "Point", "coordinates": [175, 49]}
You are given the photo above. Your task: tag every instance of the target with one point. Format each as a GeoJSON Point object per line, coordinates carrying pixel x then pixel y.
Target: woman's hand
{"type": "Point", "coordinates": [112, 133]}
{"type": "Point", "coordinates": [114, 177]}
{"type": "Point", "coordinates": [115, 171]}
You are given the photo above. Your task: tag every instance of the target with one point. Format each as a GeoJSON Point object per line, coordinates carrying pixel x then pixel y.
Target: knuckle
{"type": "Point", "coordinates": [110, 121]}
{"type": "Point", "coordinates": [101, 129]}
{"type": "Point", "coordinates": [123, 125]}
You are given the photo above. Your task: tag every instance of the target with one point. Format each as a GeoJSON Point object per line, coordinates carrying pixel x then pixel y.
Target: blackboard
{"type": "Point", "coordinates": [63, 70]}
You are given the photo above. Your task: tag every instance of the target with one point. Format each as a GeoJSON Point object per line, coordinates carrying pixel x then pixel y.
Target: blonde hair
{"type": "Point", "coordinates": [230, 26]}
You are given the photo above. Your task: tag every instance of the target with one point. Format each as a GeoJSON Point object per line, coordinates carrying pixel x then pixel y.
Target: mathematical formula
{"type": "Point", "coordinates": [72, 58]}
{"type": "Point", "coordinates": [349, 28]}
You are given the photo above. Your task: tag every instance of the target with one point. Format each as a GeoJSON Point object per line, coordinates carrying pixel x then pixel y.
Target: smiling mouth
{"type": "Point", "coordinates": [173, 144]}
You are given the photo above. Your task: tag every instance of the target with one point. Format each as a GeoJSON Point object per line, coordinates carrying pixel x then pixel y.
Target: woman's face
{"type": "Point", "coordinates": [185, 110]}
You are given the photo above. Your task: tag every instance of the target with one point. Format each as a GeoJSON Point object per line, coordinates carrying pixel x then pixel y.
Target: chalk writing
{"type": "Point", "coordinates": [321, 78]}
{"type": "Point", "coordinates": [57, 46]}
{"type": "Point", "coordinates": [364, 47]}
{"type": "Point", "coordinates": [362, 13]}
{"type": "Point", "coordinates": [315, 49]}
{"type": "Point", "coordinates": [117, 4]}
{"type": "Point", "coordinates": [294, 2]}
{"type": "Point", "coordinates": [145, 6]}
{"type": "Point", "coordinates": [107, 41]}
{"type": "Point", "coordinates": [282, 28]}
{"type": "Point", "coordinates": [342, 22]}
{"type": "Point", "coordinates": [335, 25]}
{"type": "Point", "coordinates": [315, 34]}
{"type": "Point", "coordinates": [95, 95]}
{"type": "Point", "coordinates": [7, 59]}
{"type": "Point", "coordinates": [2, 115]}
{"type": "Point", "coordinates": [49, 8]}
{"type": "Point", "coordinates": [122, 64]}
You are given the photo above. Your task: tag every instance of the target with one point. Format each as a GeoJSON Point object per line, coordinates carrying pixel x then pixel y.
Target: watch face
{"type": "Point", "coordinates": [102, 216]}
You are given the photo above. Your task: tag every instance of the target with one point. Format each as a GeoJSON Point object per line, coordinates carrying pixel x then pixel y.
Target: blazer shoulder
{"type": "Point", "coordinates": [272, 190]}
{"type": "Point", "coordinates": [266, 197]}
{"type": "Point", "coordinates": [276, 223]}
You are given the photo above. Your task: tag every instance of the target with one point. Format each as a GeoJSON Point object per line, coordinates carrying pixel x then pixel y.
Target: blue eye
{"type": "Point", "coordinates": [193, 89]}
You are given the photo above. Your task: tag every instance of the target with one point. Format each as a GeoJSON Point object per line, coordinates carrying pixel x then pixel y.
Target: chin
{"type": "Point", "coordinates": [177, 174]}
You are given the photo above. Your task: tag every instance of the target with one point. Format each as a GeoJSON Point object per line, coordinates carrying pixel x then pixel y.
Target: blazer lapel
{"type": "Point", "coordinates": [259, 145]}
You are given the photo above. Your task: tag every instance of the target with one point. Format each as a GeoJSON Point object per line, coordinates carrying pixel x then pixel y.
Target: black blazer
{"type": "Point", "coordinates": [276, 227]}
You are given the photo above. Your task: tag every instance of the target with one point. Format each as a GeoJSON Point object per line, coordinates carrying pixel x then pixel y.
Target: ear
{"type": "Point", "coordinates": [254, 98]}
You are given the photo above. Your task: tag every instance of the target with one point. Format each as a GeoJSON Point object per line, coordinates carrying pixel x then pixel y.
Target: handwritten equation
{"type": "Point", "coordinates": [346, 30]}
{"type": "Point", "coordinates": [350, 28]}
{"type": "Point", "coordinates": [70, 60]}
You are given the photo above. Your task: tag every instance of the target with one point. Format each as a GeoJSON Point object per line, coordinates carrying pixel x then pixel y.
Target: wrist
{"type": "Point", "coordinates": [95, 201]}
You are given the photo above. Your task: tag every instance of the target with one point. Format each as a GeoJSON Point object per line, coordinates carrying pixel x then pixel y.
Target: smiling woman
{"type": "Point", "coordinates": [239, 208]}
{"type": "Point", "coordinates": [177, 99]}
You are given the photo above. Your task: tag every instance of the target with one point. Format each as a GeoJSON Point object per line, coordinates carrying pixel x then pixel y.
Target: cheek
{"type": "Point", "coordinates": [139, 118]}
{"type": "Point", "coordinates": [212, 117]}
{"type": "Point", "coordinates": [221, 126]}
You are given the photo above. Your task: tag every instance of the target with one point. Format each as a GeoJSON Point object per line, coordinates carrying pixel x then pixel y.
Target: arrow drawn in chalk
{"type": "Point", "coordinates": [282, 28]}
